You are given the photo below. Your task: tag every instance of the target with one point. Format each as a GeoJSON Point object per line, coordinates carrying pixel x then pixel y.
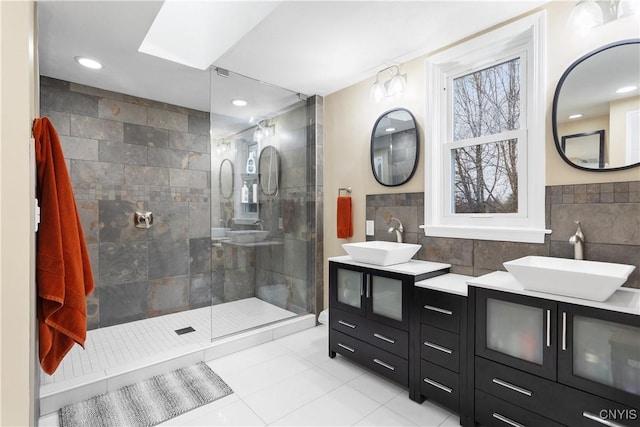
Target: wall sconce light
{"type": "Point", "coordinates": [395, 86]}
{"type": "Point", "coordinates": [223, 145]}
{"type": "Point", "coordinates": [590, 13]}
{"type": "Point", "coordinates": [263, 130]}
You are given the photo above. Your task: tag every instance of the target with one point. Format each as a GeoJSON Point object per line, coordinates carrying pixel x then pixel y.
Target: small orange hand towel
{"type": "Point", "coordinates": [63, 269]}
{"type": "Point", "coordinates": [345, 225]}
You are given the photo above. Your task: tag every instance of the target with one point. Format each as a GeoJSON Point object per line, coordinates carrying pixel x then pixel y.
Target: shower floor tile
{"type": "Point", "coordinates": [114, 346]}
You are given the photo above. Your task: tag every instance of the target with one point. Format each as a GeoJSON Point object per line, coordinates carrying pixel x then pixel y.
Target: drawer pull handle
{"type": "Point", "coordinates": [600, 420]}
{"type": "Point", "coordinates": [438, 310]}
{"type": "Point", "coordinates": [438, 347]}
{"type": "Point", "coordinates": [386, 365]}
{"type": "Point", "coordinates": [512, 387]}
{"type": "Point", "coordinates": [347, 324]}
{"type": "Point", "coordinates": [437, 385]}
{"type": "Point", "coordinates": [346, 347]}
{"type": "Point", "coordinates": [383, 338]}
{"type": "Point", "coordinates": [506, 420]}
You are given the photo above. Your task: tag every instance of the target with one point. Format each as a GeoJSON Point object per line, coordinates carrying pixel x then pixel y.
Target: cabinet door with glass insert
{"type": "Point", "coordinates": [347, 289]}
{"type": "Point", "coordinates": [517, 331]}
{"type": "Point", "coordinates": [599, 352]}
{"type": "Point", "coordinates": [385, 300]}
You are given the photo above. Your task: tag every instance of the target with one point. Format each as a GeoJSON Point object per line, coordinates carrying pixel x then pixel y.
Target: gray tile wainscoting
{"type": "Point", "coordinates": [609, 214]}
{"type": "Point", "coordinates": [126, 154]}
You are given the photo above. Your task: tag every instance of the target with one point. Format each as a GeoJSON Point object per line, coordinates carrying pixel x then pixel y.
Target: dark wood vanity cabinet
{"type": "Point", "coordinates": [439, 349]}
{"type": "Point", "coordinates": [537, 362]}
{"type": "Point", "coordinates": [369, 316]}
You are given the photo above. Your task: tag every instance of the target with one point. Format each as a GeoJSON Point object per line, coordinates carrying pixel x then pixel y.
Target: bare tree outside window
{"type": "Point", "coordinates": [485, 103]}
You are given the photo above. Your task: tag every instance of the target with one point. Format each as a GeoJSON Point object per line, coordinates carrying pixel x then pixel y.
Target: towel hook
{"type": "Point", "coordinates": [346, 189]}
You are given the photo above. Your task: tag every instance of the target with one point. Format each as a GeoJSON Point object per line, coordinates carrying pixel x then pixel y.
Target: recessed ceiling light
{"type": "Point", "coordinates": [626, 89]}
{"type": "Point", "coordinates": [575, 116]}
{"type": "Point", "coordinates": [88, 62]}
{"type": "Point", "coordinates": [389, 129]}
{"type": "Point", "coordinates": [239, 102]}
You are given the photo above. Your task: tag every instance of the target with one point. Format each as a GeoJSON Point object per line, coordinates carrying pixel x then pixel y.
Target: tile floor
{"type": "Point", "coordinates": [113, 346]}
{"type": "Point", "coordinates": [292, 381]}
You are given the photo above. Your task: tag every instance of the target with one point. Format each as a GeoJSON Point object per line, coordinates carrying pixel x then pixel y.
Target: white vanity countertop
{"type": "Point", "coordinates": [624, 300]}
{"type": "Point", "coordinates": [449, 283]}
{"type": "Point", "coordinates": [414, 267]}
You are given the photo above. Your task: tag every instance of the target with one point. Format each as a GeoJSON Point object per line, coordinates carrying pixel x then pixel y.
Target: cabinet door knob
{"type": "Point", "coordinates": [548, 328]}
{"type": "Point", "coordinates": [506, 420]}
{"type": "Point", "coordinates": [512, 387]}
{"type": "Point", "coordinates": [564, 331]}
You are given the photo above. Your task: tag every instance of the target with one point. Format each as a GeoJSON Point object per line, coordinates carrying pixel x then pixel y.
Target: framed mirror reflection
{"type": "Point", "coordinates": [596, 109]}
{"type": "Point", "coordinates": [226, 179]}
{"type": "Point", "coordinates": [394, 147]}
{"type": "Point", "coordinates": [269, 171]}
{"type": "Point", "coordinates": [585, 149]}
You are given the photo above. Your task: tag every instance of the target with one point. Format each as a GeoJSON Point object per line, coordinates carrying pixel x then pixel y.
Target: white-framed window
{"type": "Point", "coordinates": [485, 138]}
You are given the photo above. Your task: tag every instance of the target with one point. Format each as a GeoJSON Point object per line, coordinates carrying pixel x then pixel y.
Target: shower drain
{"type": "Point", "coordinates": [185, 330]}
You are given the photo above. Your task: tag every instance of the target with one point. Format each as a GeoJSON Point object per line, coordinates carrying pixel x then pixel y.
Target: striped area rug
{"type": "Point", "coordinates": [149, 402]}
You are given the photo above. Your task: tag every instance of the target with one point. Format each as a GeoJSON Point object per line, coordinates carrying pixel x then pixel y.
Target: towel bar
{"type": "Point", "coordinates": [346, 189]}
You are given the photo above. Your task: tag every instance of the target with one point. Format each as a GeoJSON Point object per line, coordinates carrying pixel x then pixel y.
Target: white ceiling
{"type": "Point", "coordinates": [309, 47]}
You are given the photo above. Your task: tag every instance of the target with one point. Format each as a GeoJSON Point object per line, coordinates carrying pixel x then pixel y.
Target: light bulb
{"type": "Point", "coordinates": [377, 92]}
{"type": "Point", "coordinates": [396, 85]}
{"type": "Point", "coordinates": [585, 14]}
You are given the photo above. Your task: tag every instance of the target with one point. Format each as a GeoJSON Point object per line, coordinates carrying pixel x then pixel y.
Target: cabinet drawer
{"type": "Point", "coordinates": [440, 385]}
{"type": "Point", "coordinates": [389, 365]}
{"type": "Point", "coordinates": [528, 391]}
{"type": "Point", "coordinates": [385, 337]}
{"type": "Point", "coordinates": [440, 309]}
{"type": "Point", "coordinates": [440, 347]}
{"type": "Point", "coordinates": [491, 411]}
{"type": "Point", "coordinates": [584, 409]}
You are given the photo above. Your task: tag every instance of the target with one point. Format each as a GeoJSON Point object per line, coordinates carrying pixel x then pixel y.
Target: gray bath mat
{"type": "Point", "coordinates": [149, 402]}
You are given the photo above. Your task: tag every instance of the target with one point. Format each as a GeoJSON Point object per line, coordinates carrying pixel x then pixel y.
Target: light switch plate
{"type": "Point", "coordinates": [369, 228]}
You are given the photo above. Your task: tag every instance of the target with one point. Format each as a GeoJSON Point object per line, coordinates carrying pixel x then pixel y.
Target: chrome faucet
{"type": "Point", "coordinates": [399, 229]}
{"type": "Point", "coordinates": [259, 224]}
{"type": "Point", "coordinates": [577, 240]}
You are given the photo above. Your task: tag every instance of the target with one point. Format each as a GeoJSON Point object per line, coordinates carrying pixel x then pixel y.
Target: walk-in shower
{"type": "Point", "coordinates": [235, 242]}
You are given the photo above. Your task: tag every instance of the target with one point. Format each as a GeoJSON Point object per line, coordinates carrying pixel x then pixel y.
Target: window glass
{"type": "Point", "coordinates": [487, 102]}
{"type": "Point", "coordinates": [486, 109]}
{"type": "Point", "coordinates": [486, 178]}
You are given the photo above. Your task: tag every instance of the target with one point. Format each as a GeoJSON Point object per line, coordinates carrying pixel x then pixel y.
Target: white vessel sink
{"type": "Point", "coordinates": [381, 252]}
{"type": "Point", "coordinates": [590, 280]}
{"type": "Point", "coordinates": [247, 236]}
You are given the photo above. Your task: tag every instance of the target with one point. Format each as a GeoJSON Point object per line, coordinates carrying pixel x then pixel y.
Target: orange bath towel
{"type": "Point", "coordinates": [345, 225]}
{"type": "Point", "coordinates": [63, 269]}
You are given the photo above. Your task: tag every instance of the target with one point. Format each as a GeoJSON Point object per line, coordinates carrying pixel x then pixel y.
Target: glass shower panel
{"type": "Point", "coordinates": [263, 258]}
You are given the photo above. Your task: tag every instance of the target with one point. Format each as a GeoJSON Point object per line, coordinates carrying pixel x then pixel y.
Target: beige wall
{"type": "Point", "coordinates": [349, 117]}
{"type": "Point", "coordinates": [17, 307]}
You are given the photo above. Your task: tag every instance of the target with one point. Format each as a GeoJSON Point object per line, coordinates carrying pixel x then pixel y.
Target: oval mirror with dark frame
{"type": "Point", "coordinates": [596, 109]}
{"type": "Point", "coordinates": [269, 171]}
{"type": "Point", "coordinates": [394, 147]}
{"type": "Point", "coordinates": [226, 178]}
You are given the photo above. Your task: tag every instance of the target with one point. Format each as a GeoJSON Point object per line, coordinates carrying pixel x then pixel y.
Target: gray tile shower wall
{"type": "Point", "coordinates": [609, 214]}
{"type": "Point", "coordinates": [126, 154]}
